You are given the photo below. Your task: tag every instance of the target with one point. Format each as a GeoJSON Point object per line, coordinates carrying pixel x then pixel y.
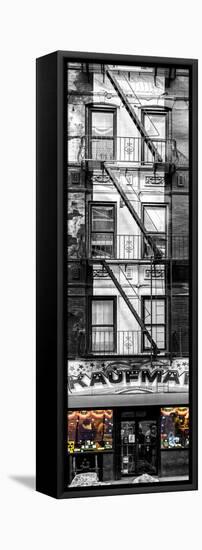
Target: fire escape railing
{"type": "Point", "coordinates": [130, 306]}
{"type": "Point", "coordinates": [134, 247]}
{"type": "Point", "coordinates": [127, 149]}
{"type": "Point", "coordinates": [128, 203]}
{"type": "Point", "coordinates": [134, 342]}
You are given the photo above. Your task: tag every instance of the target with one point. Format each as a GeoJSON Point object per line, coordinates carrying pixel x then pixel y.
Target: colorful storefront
{"type": "Point", "coordinates": [123, 443]}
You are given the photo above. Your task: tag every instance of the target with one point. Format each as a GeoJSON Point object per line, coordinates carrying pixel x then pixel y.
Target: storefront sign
{"type": "Point", "coordinates": [119, 377]}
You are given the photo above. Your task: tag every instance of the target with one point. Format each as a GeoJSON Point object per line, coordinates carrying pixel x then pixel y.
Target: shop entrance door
{"type": "Point", "coordinates": [146, 448]}
{"type": "Point", "coordinates": [138, 447]}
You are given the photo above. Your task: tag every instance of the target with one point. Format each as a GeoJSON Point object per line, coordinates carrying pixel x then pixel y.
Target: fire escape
{"type": "Point", "coordinates": [113, 172]}
{"type": "Point", "coordinates": [117, 176]}
{"type": "Point", "coordinates": [133, 115]}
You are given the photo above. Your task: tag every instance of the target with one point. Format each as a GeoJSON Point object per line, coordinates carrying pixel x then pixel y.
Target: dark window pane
{"type": "Point", "coordinates": [102, 218]}
{"type": "Point", "coordinates": [159, 242]}
{"type": "Point", "coordinates": [102, 245]}
{"type": "Point", "coordinates": [102, 339]}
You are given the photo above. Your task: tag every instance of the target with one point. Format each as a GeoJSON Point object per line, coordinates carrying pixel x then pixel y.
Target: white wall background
{"type": "Point", "coordinates": [29, 30]}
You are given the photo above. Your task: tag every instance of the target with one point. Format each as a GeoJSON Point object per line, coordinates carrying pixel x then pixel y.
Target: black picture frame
{"type": "Point", "coordinates": [51, 282]}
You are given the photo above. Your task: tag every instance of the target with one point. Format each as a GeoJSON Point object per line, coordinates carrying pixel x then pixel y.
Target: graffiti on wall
{"type": "Point", "coordinates": [76, 225]}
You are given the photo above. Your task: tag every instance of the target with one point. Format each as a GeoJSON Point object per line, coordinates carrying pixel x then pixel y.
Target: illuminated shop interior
{"type": "Point", "coordinates": [122, 444]}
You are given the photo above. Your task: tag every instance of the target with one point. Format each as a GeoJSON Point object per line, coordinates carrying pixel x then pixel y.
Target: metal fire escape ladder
{"type": "Point", "coordinates": [148, 238]}
{"type": "Point", "coordinates": [133, 115]}
{"type": "Point", "coordinates": [132, 309]}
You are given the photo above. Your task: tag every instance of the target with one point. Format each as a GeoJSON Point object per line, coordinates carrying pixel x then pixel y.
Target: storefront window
{"type": "Point", "coordinates": [90, 430]}
{"type": "Point", "coordinates": [174, 427]}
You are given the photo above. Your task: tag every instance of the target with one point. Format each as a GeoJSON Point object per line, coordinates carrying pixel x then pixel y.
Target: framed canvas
{"type": "Point", "coordinates": [116, 274]}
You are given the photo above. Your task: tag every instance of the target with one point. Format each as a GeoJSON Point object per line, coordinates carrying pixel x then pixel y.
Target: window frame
{"type": "Point", "coordinates": [103, 108]}
{"type": "Point", "coordinates": [90, 225]}
{"type": "Point", "coordinates": [154, 298]}
{"type": "Point", "coordinates": [91, 452]}
{"type": "Point", "coordinates": [159, 110]}
{"type": "Point", "coordinates": [114, 325]}
{"type": "Point", "coordinates": [156, 233]}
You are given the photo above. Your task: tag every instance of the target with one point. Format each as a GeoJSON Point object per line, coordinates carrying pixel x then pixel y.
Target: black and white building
{"type": "Point", "coordinates": [128, 274]}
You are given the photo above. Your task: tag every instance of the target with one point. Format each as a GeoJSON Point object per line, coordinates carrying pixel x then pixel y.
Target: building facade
{"type": "Point", "coordinates": [128, 273]}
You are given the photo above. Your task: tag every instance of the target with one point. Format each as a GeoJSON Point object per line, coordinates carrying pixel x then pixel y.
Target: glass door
{"type": "Point", "coordinates": [138, 447]}
{"type": "Point", "coordinates": [128, 447]}
{"type": "Point", "coordinates": [146, 447]}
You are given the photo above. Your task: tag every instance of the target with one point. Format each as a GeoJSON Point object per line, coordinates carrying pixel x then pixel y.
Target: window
{"type": "Point", "coordinates": [90, 430]}
{"type": "Point", "coordinates": [75, 178]}
{"type": "Point", "coordinates": [102, 330]}
{"type": "Point", "coordinates": [154, 320]}
{"type": "Point", "coordinates": [102, 230]}
{"type": "Point", "coordinates": [101, 133]}
{"type": "Point", "coordinates": [102, 124]}
{"type": "Point", "coordinates": [155, 122]}
{"type": "Point", "coordinates": [154, 219]}
{"type": "Point", "coordinates": [174, 427]}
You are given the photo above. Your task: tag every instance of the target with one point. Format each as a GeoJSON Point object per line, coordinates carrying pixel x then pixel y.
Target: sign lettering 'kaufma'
{"type": "Point", "coordinates": [94, 378]}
